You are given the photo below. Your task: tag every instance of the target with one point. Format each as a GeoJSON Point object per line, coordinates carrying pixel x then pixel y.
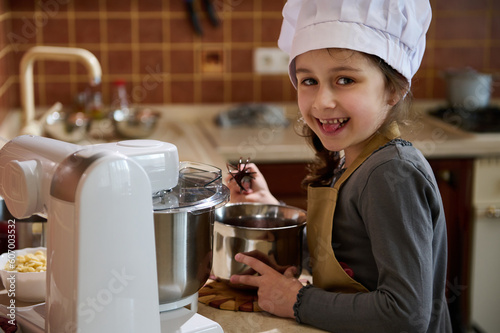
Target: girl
{"type": "Point", "coordinates": [376, 230]}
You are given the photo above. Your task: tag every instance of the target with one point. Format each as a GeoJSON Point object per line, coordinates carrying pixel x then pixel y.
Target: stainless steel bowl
{"type": "Point", "coordinates": [135, 123]}
{"type": "Point", "coordinates": [271, 233]}
{"type": "Point", "coordinates": [67, 126]}
{"type": "Point", "coordinates": [183, 253]}
{"type": "Point", "coordinates": [183, 221]}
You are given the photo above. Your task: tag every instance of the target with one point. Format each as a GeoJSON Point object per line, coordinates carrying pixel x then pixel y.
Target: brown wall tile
{"type": "Point", "coordinates": [439, 87]}
{"type": "Point", "coordinates": [55, 67]}
{"type": "Point", "coordinates": [242, 30]}
{"type": "Point", "coordinates": [458, 5]}
{"type": "Point", "coordinates": [176, 6]}
{"type": "Point", "coordinates": [55, 31]}
{"type": "Point", "coordinates": [22, 5]}
{"type": "Point", "coordinates": [147, 92]}
{"type": "Point", "coordinates": [273, 6]}
{"type": "Point", "coordinates": [144, 39]}
{"type": "Point", "coordinates": [87, 30]}
{"type": "Point", "coordinates": [182, 91]}
{"type": "Point", "coordinates": [119, 31]}
{"type": "Point", "coordinates": [242, 61]}
{"type": "Point", "coordinates": [151, 5]}
{"type": "Point", "coordinates": [119, 6]}
{"type": "Point", "coordinates": [151, 62]}
{"type": "Point", "coordinates": [120, 62]}
{"type": "Point", "coordinates": [58, 92]}
{"type": "Point", "coordinates": [418, 86]}
{"type": "Point", "coordinates": [462, 27]}
{"type": "Point", "coordinates": [495, 59]}
{"type": "Point", "coordinates": [211, 33]}
{"type": "Point", "coordinates": [270, 30]}
{"type": "Point", "coordinates": [271, 88]}
{"type": "Point", "coordinates": [150, 30]}
{"type": "Point", "coordinates": [86, 6]}
{"type": "Point", "coordinates": [495, 25]}
{"type": "Point", "coordinates": [239, 6]}
{"type": "Point", "coordinates": [458, 57]}
{"type": "Point", "coordinates": [23, 32]}
{"type": "Point", "coordinates": [241, 91]}
{"type": "Point", "coordinates": [181, 30]}
{"type": "Point", "coordinates": [181, 62]}
{"type": "Point", "coordinates": [212, 90]}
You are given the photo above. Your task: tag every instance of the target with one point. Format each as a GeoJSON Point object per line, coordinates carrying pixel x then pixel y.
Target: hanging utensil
{"type": "Point", "coordinates": [193, 15]}
{"type": "Point", "coordinates": [212, 14]}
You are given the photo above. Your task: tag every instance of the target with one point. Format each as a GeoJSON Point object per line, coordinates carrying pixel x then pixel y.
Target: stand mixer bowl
{"type": "Point", "coordinates": [183, 219]}
{"type": "Point", "coordinates": [183, 253]}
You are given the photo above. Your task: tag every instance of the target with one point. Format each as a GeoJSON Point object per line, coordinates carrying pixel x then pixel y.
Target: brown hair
{"type": "Point", "coordinates": [320, 171]}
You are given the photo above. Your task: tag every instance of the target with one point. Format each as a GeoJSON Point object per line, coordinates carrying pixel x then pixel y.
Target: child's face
{"type": "Point", "coordinates": [342, 97]}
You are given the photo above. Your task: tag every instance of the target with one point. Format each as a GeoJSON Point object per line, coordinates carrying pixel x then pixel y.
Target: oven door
{"type": "Point", "coordinates": [485, 275]}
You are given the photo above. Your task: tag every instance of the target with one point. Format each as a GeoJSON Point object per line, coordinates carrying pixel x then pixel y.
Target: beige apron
{"type": "Point", "coordinates": [321, 201]}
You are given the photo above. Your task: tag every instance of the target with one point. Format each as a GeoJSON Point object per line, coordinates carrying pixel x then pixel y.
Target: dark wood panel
{"type": "Point", "coordinates": [454, 178]}
{"type": "Point", "coordinates": [284, 181]}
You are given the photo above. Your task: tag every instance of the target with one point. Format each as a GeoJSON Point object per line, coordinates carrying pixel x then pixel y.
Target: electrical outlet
{"type": "Point", "coordinates": [270, 60]}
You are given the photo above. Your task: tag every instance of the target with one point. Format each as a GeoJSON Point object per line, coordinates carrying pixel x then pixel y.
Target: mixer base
{"type": "Point", "coordinates": [186, 321]}
{"type": "Point", "coordinates": [31, 319]}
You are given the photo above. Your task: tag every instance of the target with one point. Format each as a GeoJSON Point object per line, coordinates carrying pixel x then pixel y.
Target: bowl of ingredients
{"type": "Point", "coordinates": [270, 233]}
{"type": "Point", "coordinates": [23, 273]}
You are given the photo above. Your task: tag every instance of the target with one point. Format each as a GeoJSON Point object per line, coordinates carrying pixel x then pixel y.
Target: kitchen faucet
{"type": "Point", "coordinates": [26, 77]}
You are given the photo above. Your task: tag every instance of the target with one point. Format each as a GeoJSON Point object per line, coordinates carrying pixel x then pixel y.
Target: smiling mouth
{"type": "Point", "coordinates": [330, 125]}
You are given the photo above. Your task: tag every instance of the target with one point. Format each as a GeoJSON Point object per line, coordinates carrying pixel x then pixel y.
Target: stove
{"type": "Point", "coordinates": [484, 120]}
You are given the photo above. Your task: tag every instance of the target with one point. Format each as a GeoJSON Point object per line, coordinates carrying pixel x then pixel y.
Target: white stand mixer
{"type": "Point", "coordinates": [101, 271]}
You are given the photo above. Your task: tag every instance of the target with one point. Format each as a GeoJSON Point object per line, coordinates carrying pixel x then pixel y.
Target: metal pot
{"type": "Point", "coordinates": [183, 219]}
{"type": "Point", "coordinates": [468, 89]}
{"type": "Point", "coordinates": [271, 233]}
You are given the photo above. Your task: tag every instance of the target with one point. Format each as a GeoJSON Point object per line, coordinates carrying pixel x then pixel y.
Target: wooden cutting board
{"type": "Point", "coordinates": [220, 295]}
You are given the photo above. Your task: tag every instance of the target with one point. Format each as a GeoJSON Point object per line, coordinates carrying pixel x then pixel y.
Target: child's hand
{"type": "Point", "coordinates": [255, 191]}
{"type": "Point", "coordinates": [277, 292]}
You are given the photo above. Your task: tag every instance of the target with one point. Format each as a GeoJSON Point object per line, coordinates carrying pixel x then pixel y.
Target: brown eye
{"type": "Point", "coordinates": [308, 82]}
{"type": "Point", "coordinates": [345, 81]}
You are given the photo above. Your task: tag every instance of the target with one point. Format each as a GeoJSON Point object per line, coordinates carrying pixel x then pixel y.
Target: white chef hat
{"type": "Point", "coordinates": [393, 30]}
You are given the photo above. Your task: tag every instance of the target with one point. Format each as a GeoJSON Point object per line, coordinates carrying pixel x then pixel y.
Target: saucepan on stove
{"type": "Point", "coordinates": [467, 88]}
{"type": "Point", "coordinates": [271, 233]}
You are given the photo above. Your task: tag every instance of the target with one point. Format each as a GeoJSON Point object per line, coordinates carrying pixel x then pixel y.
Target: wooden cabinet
{"type": "Point", "coordinates": [284, 181]}
{"type": "Point", "coordinates": [454, 177]}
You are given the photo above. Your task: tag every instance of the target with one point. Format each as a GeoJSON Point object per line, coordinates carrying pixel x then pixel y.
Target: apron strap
{"type": "Point", "coordinates": [376, 142]}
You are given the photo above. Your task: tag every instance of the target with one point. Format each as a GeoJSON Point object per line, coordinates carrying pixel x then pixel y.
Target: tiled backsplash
{"type": "Point", "coordinates": [152, 45]}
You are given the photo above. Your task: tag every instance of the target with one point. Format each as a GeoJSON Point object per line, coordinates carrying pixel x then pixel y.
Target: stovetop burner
{"type": "Point", "coordinates": [485, 120]}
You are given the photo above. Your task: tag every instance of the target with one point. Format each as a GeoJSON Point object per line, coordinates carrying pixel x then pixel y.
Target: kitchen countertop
{"type": "Point", "coordinates": [253, 322]}
{"type": "Point", "coordinates": [230, 321]}
{"type": "Point", "coordinates": [193, 130]}
{"type": "Point", "coordinates": [435, 138]}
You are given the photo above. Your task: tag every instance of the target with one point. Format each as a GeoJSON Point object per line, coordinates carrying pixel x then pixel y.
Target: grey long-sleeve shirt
{"type": "Point", "coordinates": [389, 228]}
